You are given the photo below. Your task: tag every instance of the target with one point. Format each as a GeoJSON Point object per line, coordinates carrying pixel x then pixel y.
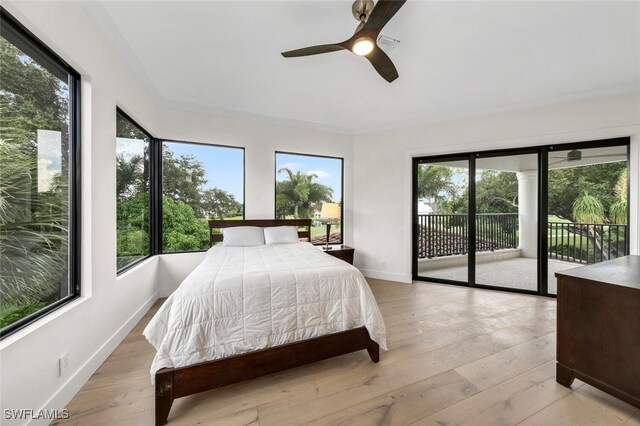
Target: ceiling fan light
{"type": "Point", "coordinates": [363, 46]}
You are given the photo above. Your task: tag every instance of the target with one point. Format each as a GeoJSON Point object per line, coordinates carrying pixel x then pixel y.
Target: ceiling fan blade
{"type": "Point", "coordinates": [381, 14]}
{"type": "Point", "coordinates": [313, 50]}
{"type": "Point", "coordinates": [382, 63]}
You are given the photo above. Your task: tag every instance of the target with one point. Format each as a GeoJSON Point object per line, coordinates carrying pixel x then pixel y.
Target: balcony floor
{"type": "Point", "coordinates": [514, 273]}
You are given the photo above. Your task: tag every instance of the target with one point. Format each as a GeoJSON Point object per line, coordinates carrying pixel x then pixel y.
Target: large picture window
{"type": "Point", "coordinates": [310, 187]}
{"type": "Point", "coordinates": [132, 192]}
{"type": "Point", "coordinates": [39, 178]}
{"type": "Point", "coordinates": [199, 182]}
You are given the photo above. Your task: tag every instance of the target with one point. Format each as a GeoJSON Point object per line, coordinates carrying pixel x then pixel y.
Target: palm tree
{"type": "Point", "coordinates": [33, 225]}
{"type": "Point", "coordinates": [298, 193]}
{"type": "Point", "coordinates": [618, 210]}
{"type": "Point", "coordinates": [435, 184]}
{"type": "Point", "coordinates": [587, 209]}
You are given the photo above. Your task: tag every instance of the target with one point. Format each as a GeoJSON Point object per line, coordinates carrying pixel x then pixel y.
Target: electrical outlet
{"type": "Point", "coordinates": [63, 365]}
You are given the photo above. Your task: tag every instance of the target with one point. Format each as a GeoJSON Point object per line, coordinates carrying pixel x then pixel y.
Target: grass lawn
{"type": "Point", "coordinates": [554, 218]}
{"type": "Point", "coordinates": [322, 230]}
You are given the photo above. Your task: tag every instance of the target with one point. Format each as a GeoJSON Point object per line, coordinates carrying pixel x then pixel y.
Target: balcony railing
{"type": "Point", "coordinates": [447, 234]}
{"type": "Point", "coordinates": [586, 242]}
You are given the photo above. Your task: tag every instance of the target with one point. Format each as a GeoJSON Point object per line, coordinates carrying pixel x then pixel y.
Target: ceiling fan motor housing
{"type": "Point", "coordinates": [361, 9]}
{"type": "Point", "coordinates": [574, 155]}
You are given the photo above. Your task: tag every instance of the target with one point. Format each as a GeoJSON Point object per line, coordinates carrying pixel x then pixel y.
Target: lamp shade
{"type": "Point", "coordinates": [330, 211]}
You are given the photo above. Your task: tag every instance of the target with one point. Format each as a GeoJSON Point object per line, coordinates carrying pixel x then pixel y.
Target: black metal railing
{"type": "Point", "coordinates": [447, 234]}
{"type": "Point", "coordinates": [586, 242]}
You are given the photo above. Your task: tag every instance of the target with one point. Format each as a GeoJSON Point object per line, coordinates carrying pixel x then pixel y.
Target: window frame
{"type": "Point", "coordinates": [275, 179]}
{"type": "Point", "coordinates": [542, 211]}
{"type": "Point", "coordinates": [161, 189]}
{"type": "Point", "coordinates": [152, 194]}
{"type": "Point", "coordinates": [75, 172]}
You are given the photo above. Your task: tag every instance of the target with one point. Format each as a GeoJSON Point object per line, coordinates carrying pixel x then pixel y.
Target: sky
{"type": "Point", "coordinates": [328, 170]}
{"type": "Point", "coordinates": [223, 166]}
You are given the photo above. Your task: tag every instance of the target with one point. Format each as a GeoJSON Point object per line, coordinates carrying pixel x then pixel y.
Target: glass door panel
{"type": "Point", "coordinates": [587, 208]}
{"type": "Point", "coordinates": [442, 222]}
{"type": "Point", "coordinates": [507, 222]}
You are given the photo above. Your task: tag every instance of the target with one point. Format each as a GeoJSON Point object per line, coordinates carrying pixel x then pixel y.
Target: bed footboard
{"type": "Point", "coordinates": [172, 383]}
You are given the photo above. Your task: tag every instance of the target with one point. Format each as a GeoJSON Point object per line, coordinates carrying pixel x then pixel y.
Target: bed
{"type": "Point", "coordinates": [246, 312]}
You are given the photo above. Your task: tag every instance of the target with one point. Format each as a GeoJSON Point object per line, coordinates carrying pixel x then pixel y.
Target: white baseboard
{"type": "Point", "coordinates": [72, 386]}
{"type": "Point", "coordinates": [389, 276]}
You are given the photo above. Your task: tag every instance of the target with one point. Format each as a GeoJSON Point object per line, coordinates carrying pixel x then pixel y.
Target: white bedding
{"type": "Point", "coordinates": [242, 299]}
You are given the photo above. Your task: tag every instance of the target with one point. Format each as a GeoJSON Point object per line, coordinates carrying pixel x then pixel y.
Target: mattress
{"type": "Point", "coordinates": [242, 299]}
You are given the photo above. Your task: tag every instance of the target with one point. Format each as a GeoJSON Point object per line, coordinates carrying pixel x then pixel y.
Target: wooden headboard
{"type": "Point", "coordinates": [262, 223]}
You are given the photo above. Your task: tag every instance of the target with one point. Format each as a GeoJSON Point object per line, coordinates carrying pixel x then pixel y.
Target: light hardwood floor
{"type": "Point", "coordinates": [456, 356]}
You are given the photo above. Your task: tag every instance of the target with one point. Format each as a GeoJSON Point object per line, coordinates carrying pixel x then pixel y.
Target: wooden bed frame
{"type": "Point", "coordinates": [172, 383]}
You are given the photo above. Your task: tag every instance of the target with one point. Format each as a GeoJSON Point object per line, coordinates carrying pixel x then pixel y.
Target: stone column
{"type": "Point", "coordinates": [528, 213]}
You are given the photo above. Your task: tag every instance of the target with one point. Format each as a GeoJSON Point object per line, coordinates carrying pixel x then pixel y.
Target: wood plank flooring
{"type": "Point", "coordinates": [456, 356]}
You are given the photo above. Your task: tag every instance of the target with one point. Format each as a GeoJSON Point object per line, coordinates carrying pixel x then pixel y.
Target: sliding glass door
{"type": "Point", "coordinates": [442, 219]}
{"type": "Point", "coordinates": [587, 207]}
{"type": "Point", "coordinates": [511, 219]}
{"type": "Point", "coordinates": [506, 206]}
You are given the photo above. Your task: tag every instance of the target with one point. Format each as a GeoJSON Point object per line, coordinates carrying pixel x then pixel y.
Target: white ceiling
{"type": "Point", "coordinates": [455, 59]}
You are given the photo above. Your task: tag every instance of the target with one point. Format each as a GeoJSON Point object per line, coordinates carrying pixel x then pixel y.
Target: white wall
{"type": "Point", "coordinates": [88, 329]}
{"type": "Point", "coordinates": [260, 141]}
{"type": "Point", "coordinates": [174, 268]}
{"type": "Point", "coordinates": [382, 167]}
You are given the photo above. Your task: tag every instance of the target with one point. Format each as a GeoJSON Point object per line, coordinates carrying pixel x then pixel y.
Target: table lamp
{"type": "Point", "coordinates": [329, 211]}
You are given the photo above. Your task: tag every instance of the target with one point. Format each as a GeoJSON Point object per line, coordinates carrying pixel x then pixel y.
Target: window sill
{"type": "Point", "coordinates": [135, 266]}
{"type": "Point", "coordinates": [42, 321]}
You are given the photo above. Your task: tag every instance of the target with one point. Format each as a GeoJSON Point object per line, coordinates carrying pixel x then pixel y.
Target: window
{"type": "Point", "coordinates": [132, 192]}
{"type": "Point", "coordinates": [304, 183]}
{"type": "Point", "coordinates": [199, 182]}
{"type": "Point", "coordinates": [39, 179]}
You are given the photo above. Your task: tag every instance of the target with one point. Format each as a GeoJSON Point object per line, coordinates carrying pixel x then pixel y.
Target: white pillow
{"type": "Point", "coordinates": [281, 235]}
{"type": "Point", "coordinates": [243, 236]}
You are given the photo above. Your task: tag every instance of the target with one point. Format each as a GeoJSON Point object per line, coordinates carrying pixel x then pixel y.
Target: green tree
{"type": "Point", "coordinates": [187, 204]}
{"type": "Point", "coordinates": [298, 193]}
{"type": "Point", "coordinates": [33, 226]}
{"type": "Point", "coordinates": [183, 178]}
{"type": "Point", "coordinates": [31, 92]}
{"type": "Point", "coordinates": [133, 228]}
{"type": "Point", "coordinates": [566, 185]}
{"type": "Point", "coordinates": [182, 230]}
{"type": "Point", "coordinates": [219, 204]}
{"type": "Point", "coordinates": [497, 192]}
{"type": "Point", "coordinates": [33, 223]}
{"type": "Point", "coordinates": [618, 210]}
{"type": "Point", "coordinates": [131, 177]}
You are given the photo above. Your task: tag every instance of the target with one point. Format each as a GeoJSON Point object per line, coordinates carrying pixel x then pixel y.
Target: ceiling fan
{"type": "Point", "coordinates": [576, 155]}
{"type": "Point", "coordinates": [363, 42]}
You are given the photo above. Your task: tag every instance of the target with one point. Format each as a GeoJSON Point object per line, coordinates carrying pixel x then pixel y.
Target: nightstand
{"type": "Point", "coordinates": [341, 252]}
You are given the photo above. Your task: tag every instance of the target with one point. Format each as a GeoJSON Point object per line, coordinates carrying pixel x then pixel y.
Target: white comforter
{"type": "Point", "coordinates": [242, 299]}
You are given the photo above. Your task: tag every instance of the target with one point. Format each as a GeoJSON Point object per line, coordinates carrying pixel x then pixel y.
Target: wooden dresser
{"type": "Point", "coordinates": [599, 327]}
